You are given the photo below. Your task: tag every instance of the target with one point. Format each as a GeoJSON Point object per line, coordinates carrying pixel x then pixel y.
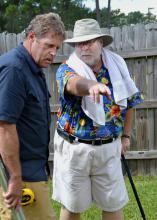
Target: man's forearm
{"type": "Point", "coordinates": [128, 122]}
{"type": "Point", "coordinates": [9, 149]}
{"type": "Point", "coordinates": [79, 86]}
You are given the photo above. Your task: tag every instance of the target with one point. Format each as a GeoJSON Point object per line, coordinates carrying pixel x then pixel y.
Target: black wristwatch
{"type": "Point", "coordinates": [126, 136]}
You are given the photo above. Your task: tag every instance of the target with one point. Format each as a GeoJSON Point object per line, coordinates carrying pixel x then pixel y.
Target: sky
{"type": "Point", "coordinates": [126, 6]}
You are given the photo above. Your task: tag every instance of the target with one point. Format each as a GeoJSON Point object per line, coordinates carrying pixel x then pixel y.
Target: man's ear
{"type": "Point", "coordinates": [31, 36]}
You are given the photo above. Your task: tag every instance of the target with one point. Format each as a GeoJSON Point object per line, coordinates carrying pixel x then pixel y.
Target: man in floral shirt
{"type": "Point", "coordinates": [97, 97]}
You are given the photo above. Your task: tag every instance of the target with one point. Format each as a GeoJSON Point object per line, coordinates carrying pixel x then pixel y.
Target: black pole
{"type": "Point", "coordinates": [98, 12]}
{"type": "Point", "coordinates": [133, 186]}
{"type": "Point", "coordinates": [109, 14]}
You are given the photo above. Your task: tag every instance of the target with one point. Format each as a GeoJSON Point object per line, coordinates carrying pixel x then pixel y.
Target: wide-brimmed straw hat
{"type": "Point", "coordinates": [88, 29]}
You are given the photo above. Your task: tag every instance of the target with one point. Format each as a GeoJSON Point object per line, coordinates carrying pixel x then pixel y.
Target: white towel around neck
{"type": "Point", "coordinates": [123, 85]}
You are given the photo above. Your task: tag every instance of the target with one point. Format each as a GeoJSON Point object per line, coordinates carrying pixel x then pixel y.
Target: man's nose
{"type": "Point", "coordinates": [85, 47]}
{"type": "Point", "coordinates": [53, 51]}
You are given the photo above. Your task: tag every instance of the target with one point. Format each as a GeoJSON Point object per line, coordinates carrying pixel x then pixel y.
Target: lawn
{"type": "Point", "coordinates": [147, 191]}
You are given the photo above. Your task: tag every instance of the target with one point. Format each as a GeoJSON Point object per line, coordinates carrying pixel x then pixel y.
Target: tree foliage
{"type": "Point", "coordinates": [16, 14]}
{"type": "Point", "coordinates": [118, 18]}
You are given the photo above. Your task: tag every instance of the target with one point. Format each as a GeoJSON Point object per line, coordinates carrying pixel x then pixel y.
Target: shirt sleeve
{"type": "Point", "coordinates": [135, 99]}
{"type": "Point", "coordinates": [12, 94]}
{"type": "Point", "coordinates": [64, 73]}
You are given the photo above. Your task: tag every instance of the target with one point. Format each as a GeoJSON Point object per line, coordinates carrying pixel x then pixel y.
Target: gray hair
{"type": "Point", "coordinates": [44, 23]}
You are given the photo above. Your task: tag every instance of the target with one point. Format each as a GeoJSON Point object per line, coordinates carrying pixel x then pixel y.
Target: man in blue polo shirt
{"type": "Point", "coordinates": [25, 114]}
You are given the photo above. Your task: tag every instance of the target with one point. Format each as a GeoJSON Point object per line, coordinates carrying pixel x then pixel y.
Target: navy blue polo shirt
{"type": "Point", "coordinates": [24, 101]}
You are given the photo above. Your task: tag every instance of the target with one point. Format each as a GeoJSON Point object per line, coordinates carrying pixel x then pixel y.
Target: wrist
{"type": "Point", "coordinates": [15, 177]}
{"type": "Point", "coordinates": [125, 136]}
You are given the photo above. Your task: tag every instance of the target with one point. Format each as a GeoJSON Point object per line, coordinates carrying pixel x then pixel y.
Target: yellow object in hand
{"type": "Point", "coordinates": [28, 196]}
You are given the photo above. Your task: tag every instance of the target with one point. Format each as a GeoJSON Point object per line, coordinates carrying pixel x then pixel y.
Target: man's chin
{"type": "Point", "coordinates": [44, 65]}
{"type": "Point", "coordinates": [88, 62]}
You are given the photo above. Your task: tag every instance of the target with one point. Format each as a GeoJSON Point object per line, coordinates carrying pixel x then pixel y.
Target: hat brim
{"type": "Point", "coordinates": [107, 39]}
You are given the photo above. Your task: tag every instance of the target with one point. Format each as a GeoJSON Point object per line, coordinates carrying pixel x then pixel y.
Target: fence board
{"type": "Point", "coordinates": [11, 41]}
{"type": "Point", "coordinates": [151, 35]}
{"type": "Point", "coordinates": [51, 82]}
{"type": "Point", "coordinates": [20, 37]}
{"type": "Point", "coordinates": [139, 36]}
{"type": "Point", "coordinates": [127, 38]}
{"type": "Point", "coordinates": [67, 49]}
{"type": "Point", "coordinates": [155, 96]}
{"type": "Point", "coordinates": [3, 43]}
{"type": "Point", "coordinates": [150, 88]}
{"type": "Point", "coordinates": [116, 34]}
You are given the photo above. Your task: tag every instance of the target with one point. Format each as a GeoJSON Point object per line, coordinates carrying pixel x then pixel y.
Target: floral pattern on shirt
{"type": "Point", "coordinates": [71, 117]}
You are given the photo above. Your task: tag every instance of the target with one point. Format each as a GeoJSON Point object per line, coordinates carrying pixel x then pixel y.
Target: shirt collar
{"type": "Point", "coordinates": [29, 59]}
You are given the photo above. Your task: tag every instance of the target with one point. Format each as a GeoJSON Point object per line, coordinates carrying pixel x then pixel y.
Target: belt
{"type": "Point", "coordinates": [73, 139]}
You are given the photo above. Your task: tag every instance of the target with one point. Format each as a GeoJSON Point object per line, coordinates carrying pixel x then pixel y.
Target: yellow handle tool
{"type": "Point", "coordinates": [28, 196]}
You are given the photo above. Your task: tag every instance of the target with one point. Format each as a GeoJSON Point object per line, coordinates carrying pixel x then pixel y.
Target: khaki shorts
{"type": "Point", "coordinates": [39, 210]}
{"type": "Point", "coordinates": [84, 174]}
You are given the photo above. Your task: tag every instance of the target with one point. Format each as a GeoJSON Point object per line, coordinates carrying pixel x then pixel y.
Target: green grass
{"type": "Point", "coordinates": [147, 191]}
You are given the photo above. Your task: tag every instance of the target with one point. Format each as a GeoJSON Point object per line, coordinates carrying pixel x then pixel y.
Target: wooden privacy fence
{"type": "Point", "coordinates": [138, 45]}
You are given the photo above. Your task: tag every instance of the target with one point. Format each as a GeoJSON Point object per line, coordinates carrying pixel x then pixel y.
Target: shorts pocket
{"type": "Point", "coordinates": [119, 147]}
{"type": "Point", "coordinates": [58, 142]}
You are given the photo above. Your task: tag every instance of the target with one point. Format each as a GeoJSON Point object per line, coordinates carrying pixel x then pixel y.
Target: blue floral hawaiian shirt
{"type": "Point", "coordinates": [72, 118]}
